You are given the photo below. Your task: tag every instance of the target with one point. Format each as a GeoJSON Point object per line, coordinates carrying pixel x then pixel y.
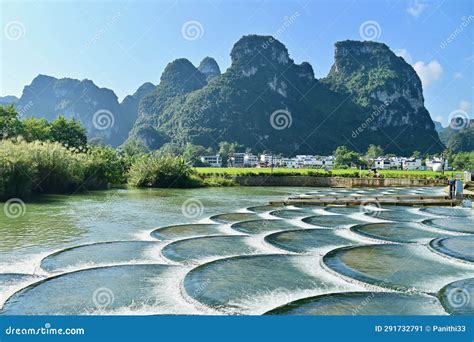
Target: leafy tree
{"type": "Point", "coordinates": [374, 151]}
{"type": "Point", "coordinates": [226, 150]}
{"type": "Point", "coordinates": [10, 124]}
{"type": "Point", "coordinates": [463, 161]}
{"type": "Point", "coordinates": [192, 153]}
{"type": "Point", "coordinates": [171, 149]}
{"type": "Point", "coordinates": [346, 158]}
{"type": "Point", "coordinates": [36, 129]}
{"type": "Point", "coordinates": [68, 132]}
{"type": "Point", "coordinates": [133, 147]}
{"type": "Point", "coordinates": [416, 154]}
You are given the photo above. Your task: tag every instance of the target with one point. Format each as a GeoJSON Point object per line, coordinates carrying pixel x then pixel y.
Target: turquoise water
{"type": "Point", "coordinates": [227, 251]}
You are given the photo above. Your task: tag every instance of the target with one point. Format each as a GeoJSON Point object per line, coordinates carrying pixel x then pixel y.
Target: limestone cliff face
{"type": "Point", "coordinates": [49, 97]}
{"type": "Point", "coordinates": [367, 86]}
{"type": "Point", "coordinates": [129, 105]}
{"type": "Point", "coordinates": [209, 68]}
{"type": "Point", "coordinates": [389, 92]}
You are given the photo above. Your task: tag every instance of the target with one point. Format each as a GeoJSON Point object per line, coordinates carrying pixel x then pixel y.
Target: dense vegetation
{"type": "Point", "coordinates": [67, 132]}
{"type": "Point", "coordinates": [367, 82]}
{"type": "Point", "coordinates": [38, 157]}
{"type": "Point", "coordinates": [278, 172]}
{"type": "Point", "coordinates": [460, 139]}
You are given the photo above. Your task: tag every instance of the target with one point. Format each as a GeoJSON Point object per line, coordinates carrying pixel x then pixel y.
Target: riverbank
{"type": "Point", "coordinates": [339, 178]}
{"type": "Point", "coordinates": [335, 182]}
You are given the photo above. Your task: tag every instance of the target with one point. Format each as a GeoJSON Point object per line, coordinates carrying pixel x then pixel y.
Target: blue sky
{"type": "Point", "coordinates": [121, 45]}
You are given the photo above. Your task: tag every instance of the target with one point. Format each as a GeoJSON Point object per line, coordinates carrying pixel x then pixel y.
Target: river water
{"type": "Point", "coordinates": [227, 251]}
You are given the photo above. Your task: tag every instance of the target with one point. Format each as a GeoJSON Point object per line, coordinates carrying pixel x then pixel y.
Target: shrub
{"type": "Point", "coordinates": [218, 181]}
{"type": "Point", "coordinates": [49, 167]}
{"type": "Point", "coordinates": [162, 171]}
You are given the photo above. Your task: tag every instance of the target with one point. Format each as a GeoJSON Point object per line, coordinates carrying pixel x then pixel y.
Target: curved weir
{"type": "Point", "coordinates": [121, 289]}
{"type": "Point", "coordinates": [102, 253]}
{"type": "Point", "coordinates": [262, 226]}
{"type": "Point", "coordinates": [363, 303]}
{"type": "Point", "coordinates": [397, 266]}
{"type": "Point", "coordinates": [195, 249]}
{"type": "Point", "coordinates": [307, 240]}
{"type": "Point", "coordinates": [457, 297]}
{"type": "Point", "coordinates": [185, 231]}
{"type": "Point", "coordinates": [247, 284]}
{"type": "Point", "coordinates": [460, 247]}
{"type": "Point", "coordinates": [457, 224]}
{"type": "Point", "coordinates": [407, 232]}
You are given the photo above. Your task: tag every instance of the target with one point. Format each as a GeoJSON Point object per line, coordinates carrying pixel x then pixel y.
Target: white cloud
{"type": "Point", "coordinates": [464, 105]}
{"type": "Point", "coordinates": [416, 7]}
{"type": "Point", "coordinates": [404, 54]}
{"type": "Point", "coordinates": [428, 72]}
{"type": "Point", "coordinates": [458, 75]}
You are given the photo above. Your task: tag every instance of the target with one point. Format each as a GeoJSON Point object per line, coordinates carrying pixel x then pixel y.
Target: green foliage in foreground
{"type": "Point", "coordinates": [156, 170]}
{"type": "Point", "coordinates": [216, 171]}
{"type": "Point", "coordinates": [463, 161]}
{"type": "Point", "coordinates": [49, 167]}
{"type": "Point", "coordinates": [68, 132]}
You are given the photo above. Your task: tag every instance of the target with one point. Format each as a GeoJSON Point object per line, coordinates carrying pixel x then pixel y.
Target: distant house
{"type": "Point", "coordinates": [382, 163]}
{"type": "Point", "coordinates": [436, 164]}
{"type": "Point", "coordinates": [291, 163]}
{"type": "Point", "coordinates": [237, 159]}
{"type": "Point", "coordinates": [214, 161]}
{"type": "Point", "coordinates": [412, 164]}
{"type": "Point", "coordinates": [250, 160]}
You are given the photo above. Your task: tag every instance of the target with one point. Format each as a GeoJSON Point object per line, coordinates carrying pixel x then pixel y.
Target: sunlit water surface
{"type": "Point", "coordinates": [228, 251]}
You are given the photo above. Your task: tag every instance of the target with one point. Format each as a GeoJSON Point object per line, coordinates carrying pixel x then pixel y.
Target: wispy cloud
{"type": "Point", "coordinates": [465, 105]}
{"type": "Point", "coordinates": [428, 72]}
{"type": "Point", "coordinates": [416, 7]}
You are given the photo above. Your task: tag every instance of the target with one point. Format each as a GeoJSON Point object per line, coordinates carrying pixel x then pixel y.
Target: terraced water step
{"type": "Point", "coordinates": [460, 247]}
{"type": "Point", "coordinates": [363, 303]}
{"type": "Point", "coordinates": [195, 249]}
{"type": "Point", "coordinates": [101, 253]}
{"type": "Point", "coordinates": [404, 232]}
{"type": "Point", "coordinates": [307, 240]}
{"type": "Point", "coordinates": [185, 231]}
{"type": "Point", "coordinates": [457, 297]}
{"type": "Point", "coordinates": [101, 290]}
{"type": "Point", "coordinates": [397, 266]}
{"type": "Point", "coordinates": [256, 284]}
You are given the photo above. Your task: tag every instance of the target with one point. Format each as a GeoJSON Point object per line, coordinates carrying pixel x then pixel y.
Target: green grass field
{"type": "Point", "coordinates": [230, 171]}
